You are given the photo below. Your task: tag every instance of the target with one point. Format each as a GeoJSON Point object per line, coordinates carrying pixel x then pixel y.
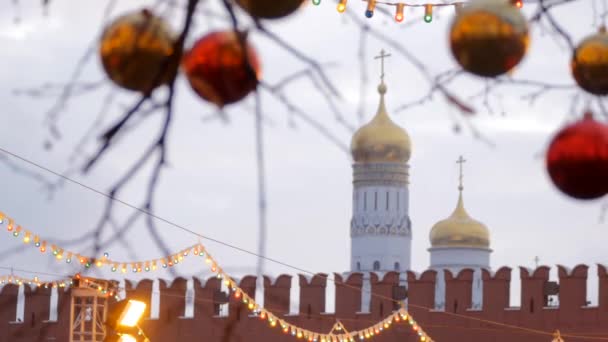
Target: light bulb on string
{"type": "Point", "coordinates": [399, 12]}
{"type": "Point", "coordinates": [428, 13]}
{"type": "Point", "coordinates": [316, 2]}
{"type": "Point", "coordinates": [518, 3]}
{"type": "Point", "coordinates": [371, 5]}
{"type": "Point", "coordinates": [342, 6]}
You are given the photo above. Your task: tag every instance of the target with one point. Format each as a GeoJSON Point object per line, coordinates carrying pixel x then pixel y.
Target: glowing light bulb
{"type": "Point", "coordinates": [518, 3]}
{"type": "Point", "coordinates": [428, 13]}
{"type": "Point", "coordinates": [399, 12]}
{"type": "Point", "coordinates": [26, 238]}
{"type": "Point", "coordinates": [342, 6]}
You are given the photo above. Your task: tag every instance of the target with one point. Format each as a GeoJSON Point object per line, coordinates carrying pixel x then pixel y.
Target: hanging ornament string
{"type": "Point", "coordinates": [16, 280]}
{"type": "Point", "coordinates": [335, 335]}
{"type": "Point", "coordinates": [66, 282]}
{"type": "Point", "coordinates": [400, 7]}
{"type": "Point", "coordinates": [236, 291]}
{"type": "Point", "coordinates": [63, 254]}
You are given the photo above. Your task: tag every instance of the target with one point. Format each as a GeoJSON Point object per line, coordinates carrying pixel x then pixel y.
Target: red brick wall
{"type": "Point", "coordinates": [571, 316]}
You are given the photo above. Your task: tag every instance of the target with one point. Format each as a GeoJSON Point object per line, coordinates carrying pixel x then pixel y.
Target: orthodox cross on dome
{"type": "Point", "coordinates": [382, 56]}
{"type": "Point", "coordinates": [460, 162]}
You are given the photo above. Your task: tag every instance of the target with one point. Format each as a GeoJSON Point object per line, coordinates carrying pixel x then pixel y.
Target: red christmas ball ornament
{"type": "Point", "coordinates": [134, 50]}
{"type": "Point", "coordinates": [218, 70]}
{"type": "Point", "coordinates": [577, 159]}
{"type": "Point", "coordinates": [270, 9]}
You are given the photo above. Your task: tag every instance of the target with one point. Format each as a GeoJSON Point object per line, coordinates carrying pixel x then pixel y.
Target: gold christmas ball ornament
{"type": "Point", "coordinates": [489, 37]}
{"type": "Point", "coordinates": [134, 49]}
{"type": "Point", "coordinates": [590, 63]}
{"type": "Point", "coordinates": [270, 9]}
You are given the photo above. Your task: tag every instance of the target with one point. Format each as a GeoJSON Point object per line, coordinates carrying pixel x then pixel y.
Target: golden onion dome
{"type": "Point", "coordinates": [460, 230]}
{"type": "Point", "coordinates": [381, 140]}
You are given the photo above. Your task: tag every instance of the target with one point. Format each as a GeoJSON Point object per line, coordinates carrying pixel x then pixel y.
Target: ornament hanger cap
{"type": "Point", "coordinates": [588, 115]}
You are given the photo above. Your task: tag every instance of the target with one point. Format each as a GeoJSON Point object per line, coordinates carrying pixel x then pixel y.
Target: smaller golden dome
{"type": "Point", "coordinates": [381, 140]}
{"type": "Point", "coordinates": [460, 230]}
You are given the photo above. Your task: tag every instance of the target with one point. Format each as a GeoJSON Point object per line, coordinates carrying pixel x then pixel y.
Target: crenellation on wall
{"type": "Point", "coordinates": [141, 290]}
{"type": "Point", "coordinates": [421, 292]}
{"type": "Point", "coordinates": [348, 294]}
{"type": "Point", "coordinates": [277, 293]}
{"type": "Point", "coordinates": [208, 297]}
{"type": "Point", "coordinates": [312, 294]}
{"type": "Point", "coordinates": [496, 291]}
{"type": "Point", "coordinates": [572, 287]}
{"type": "Point", "coordinates": [458, 290]}
{"type": "Point", "coordinates": [384, 287]}
{"type": "Point", "coordinates": [533, 298]}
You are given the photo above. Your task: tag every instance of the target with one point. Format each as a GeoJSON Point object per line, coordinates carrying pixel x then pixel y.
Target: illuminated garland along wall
{"type": "Point", "coordinates": [569, 317]}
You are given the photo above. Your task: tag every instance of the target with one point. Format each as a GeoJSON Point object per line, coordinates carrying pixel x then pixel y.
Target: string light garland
{"type": "Point", "coordinates": [400, 7]}
{"type": "Point", "coordinates": [69, 257]}
{"type": "Point", "coordinates": [235, 290]}
{"type": "Point", "coordinates": [16, 280]}
{"type": "Point", "coordinates": [66, 282]}
{"type": "Point", "coordinates": [274, 321]}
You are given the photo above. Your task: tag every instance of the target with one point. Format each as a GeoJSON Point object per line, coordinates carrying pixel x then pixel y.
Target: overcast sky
{"type": "Point", "coordinates": [210, 186]}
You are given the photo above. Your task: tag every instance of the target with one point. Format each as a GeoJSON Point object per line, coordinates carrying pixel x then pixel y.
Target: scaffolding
{"type": "Point", "coordinates": [88, 309]}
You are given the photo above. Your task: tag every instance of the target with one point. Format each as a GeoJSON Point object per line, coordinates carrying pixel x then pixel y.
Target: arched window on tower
{"type": "Point", "coordinates": [358, 266]}
{"type": "Point", "coordinates": [376, 265]}
{"type": "Point", "coordinates": [397, 266]}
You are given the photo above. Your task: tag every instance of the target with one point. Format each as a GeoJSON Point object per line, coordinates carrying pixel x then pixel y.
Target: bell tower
{"type": "Point", "coordinates": [380, 227]}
